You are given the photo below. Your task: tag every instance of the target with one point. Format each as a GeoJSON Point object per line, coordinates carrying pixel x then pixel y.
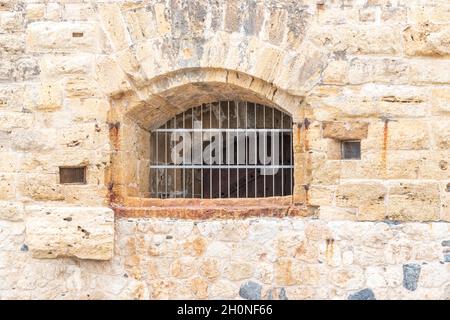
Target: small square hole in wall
{"type": "Point", "coordinates": [77, 34]}
{"type": "Point", "coordinates": [72, 175]}
{"type": "Point", "coordinates": [351, 150]}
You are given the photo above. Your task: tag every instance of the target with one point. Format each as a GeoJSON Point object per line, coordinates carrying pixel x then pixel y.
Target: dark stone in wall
{"type": "Point", "coordinates": [364, 294]}
{"type": "Point", "coordinates": [250, 291]}
{"type": "Point", "coordinates": [446, 243]}
{"type": "Point", "coordinates": [411, 273]}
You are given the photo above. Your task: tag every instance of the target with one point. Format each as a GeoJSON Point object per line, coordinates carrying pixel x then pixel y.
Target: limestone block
{"type": "Point", "coordinates": [11, 21]}
{"type": "Point", "coordinates": [408, 135]}
{"type": "Point", "coordinates": [7, 186]}
{"type": "Point", "coordinates": [63, 37]}
{"type": "Point", "coordinates": [53, 66]}
{"type": "Point", "coordinates": [441, 131]}
{"type": "Point", "coordinates": [33, 139]}
{"type": "Point", "coordinates": [440, 97]}
{"type": "Point", "coordinates": [358, 39]}
{"type": "Point", "coordinates": [424, 71]}
{"type": "Point", "coordinates": [345, 130]}
{"type": "Point", "coordinates": [12, 120]}
{"type": "Point", "coordinates": [81, 232]}
{"type": "Point", "coordinates": [111, 77]}
{"type": "Point", "coordinates": [77, 11]}
{"type": "Point", "coordinates": [114, 25]}
{"type": "Point", "coordinates": [429, 14]}
{"type": "Point", "coordinates": [41, 187]}
{"type": "Point", "coordinates": [413, 201]}
{"type": "Point", "coordinates": [367, 197]}
{"type": "Point", "coordinates": [427, 40]}
{"type": "Point", "coordinates": [336, 72]}
{"type": "Point", "coordinates": [383, 70]}
{"type": "Point", "coordinates": [11, 211]}
{"type": "Point", "coordinates": [45, 96]}
{"type": "Point", "coordinates": [35, 11]}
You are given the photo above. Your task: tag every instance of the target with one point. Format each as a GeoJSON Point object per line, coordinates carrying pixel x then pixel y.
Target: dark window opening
{"type": "Point", "coordinates": [351, 150]}
{"type": "Point", "coordinates": [226, 149]}
{"type": "Point", "coordinates": [72, 175]}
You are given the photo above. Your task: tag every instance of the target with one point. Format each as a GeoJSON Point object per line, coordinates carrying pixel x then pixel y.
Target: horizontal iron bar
{"type": "Point", "coordinates": [221, 130]}
{"type": "Point", "coordinates": [218, 166]}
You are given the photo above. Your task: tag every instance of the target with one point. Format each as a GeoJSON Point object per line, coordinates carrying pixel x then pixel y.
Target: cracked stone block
{"type": "Point", "coordinates": [81, 232]}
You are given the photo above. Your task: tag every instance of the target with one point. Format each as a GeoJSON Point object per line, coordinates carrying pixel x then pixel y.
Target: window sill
{"type": "Point", "coordinates": [135, 207]}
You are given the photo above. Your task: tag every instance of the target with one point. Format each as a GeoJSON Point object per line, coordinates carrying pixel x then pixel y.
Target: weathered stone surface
{"type": "Point", "coordinates": [345, 130]}
{"type": "Point", "coordinates": [365, 294]}
{"type": "Point", "coordinates": [250, 291]}
{"type": "Point", "coordinates": [427, 40]}
{"type": "Point", "coordinates": [85, 233]}
{"type": "Point", "coordinates": [82, 82]}
{"type": "Point", "coordinates": [411, 273]}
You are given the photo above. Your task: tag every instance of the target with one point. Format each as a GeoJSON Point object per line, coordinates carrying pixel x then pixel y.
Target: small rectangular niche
{"type": "Point", "coordinates": [77, 34]}
{"type": "Point", "coordinates": [351, 150]}
{"type": "Point", "coordinates": [72, 175]}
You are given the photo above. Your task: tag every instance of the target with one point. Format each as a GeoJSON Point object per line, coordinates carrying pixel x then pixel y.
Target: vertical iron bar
{"type": "Point", "coordinates": [192, 156]}
{"type": "Point", "coordinates": [175, 166]}
{"type": "Point", "coordinates": [237, 107]}
{"type": "Point", "coordinates": [165, 157]}
{"type": "Point", "coordinates": [264, 148]}
{"type": "Point", "coordinates": [272, 156]}
{"type": "Point", "coordinates": [256, 154]}
{"type": "Point", "coordinates": [220, 152]}
{"type": "Point", "coordinates": [246, 149]}
{"type": "Point", "coordinates": [201, 141]}
{"type": "Point", "coordinates": [282, 154]}
{"type": "Point", "coordinates": [228, 144]}
{"type": "Point", "coordinates": [157, 170]}
{"type": "Point", "coordinates": [184, 156]}
{"type": "Point", "coordinates": [210, 152]}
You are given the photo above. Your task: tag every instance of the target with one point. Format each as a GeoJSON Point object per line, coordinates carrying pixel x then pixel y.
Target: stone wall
{"type": "Point", "coordinates": [81, 83]}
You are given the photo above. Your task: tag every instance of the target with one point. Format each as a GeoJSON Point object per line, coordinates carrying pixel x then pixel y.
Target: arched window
{"type": "Point", "coordinates": [226, 149]}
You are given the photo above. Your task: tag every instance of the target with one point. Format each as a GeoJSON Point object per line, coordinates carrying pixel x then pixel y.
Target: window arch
{"type": "Point", "coordinates": [224, 149]}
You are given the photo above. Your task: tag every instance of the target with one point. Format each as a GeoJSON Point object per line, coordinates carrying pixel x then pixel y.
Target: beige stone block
{"type": "Point", "coordinates": [427, 40]}
{"type": "Point", "coordinates": [35, 11]}
{"type": "Point", "coordinates": [81, 232]}
{"type": "Point", "coordinates": [77, 11]}
{"type": "Point", "coordinates": [350, 130]}
{"type": "Point", "coordinates": [141, 24]}
{"type": "Point", "coordinates": [440, 97]}
{"type": "Point", "coordinates": [45, 96]}
{"type": "Point", "coordinates": [11, 21]}
{"type": "Point", "coordinates": [41, 187]}
{"type": "Point", "coordinates": [336, 72]}
{"type": "Point", "coordinates": [81, 86]}
{"type": "Point", "coordinates": [429, 71]}
{"type": "Point", "coordinates": [15, 120]}
{"type": "Point", "coordinates": [429, 14]}
{"type": "Point", "coordinates": [63, 37]}
{"type": "Point", "coordinates": [110, 77]}
{"type": "Point", "coordinates": [11, 211]}
{"type": "Point", "coordinates": [336, 213]}
{"type": "Point", "coordinates": [9, 161]}
{"type": "Point", "coordinates": [114, 25]}
{"type": "Point", "coordinates": [239, 270]}
{"type": "Point", "coordinates": [54, 66]}
{"type": "Point", "coordinates": [33, 139]}
{"type": "Point", "coordinates": [440, 129]}
{"type": "Point", "coordinates": [90, 109]}
{"type": "Point", "coordinates": [382, 70]}
{"type": "Point", "coordinates": [162, 23]}
{"type": "Point", "coordinates": [183, 267]}
{"type": "Point", "coordinates": [413, 201]}
{"type": "Point", "coordinates": [407, 135]}
{"type": "Point", "coordinates": [347, 277]}
{"type": "Point", "coordinates": [320, 195]}
{"type": "Point", "coordinates": [53, 11]}
{"type": "Point", "coordinates": [367, 197]}
{"type": "Point", "coordinates": [11, 97]}
{"type": "Point", "coordinates": [223, 289]}
{"type": "Point", "coordinates": [445, 198]}
{"type": "Point", "coordinates": [358, 39]}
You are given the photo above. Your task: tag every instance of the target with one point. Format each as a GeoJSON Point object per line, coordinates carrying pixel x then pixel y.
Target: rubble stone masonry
{"type": "Point", "coordinates": [82, 82]}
